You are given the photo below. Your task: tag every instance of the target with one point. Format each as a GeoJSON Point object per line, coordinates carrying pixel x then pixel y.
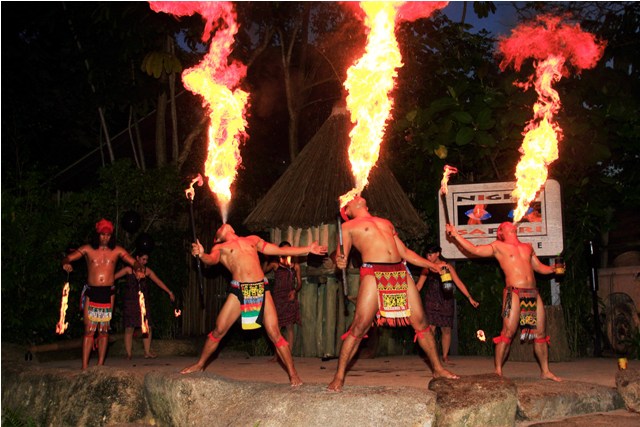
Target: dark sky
{"type": "Point", "coordinates": [499, 23]}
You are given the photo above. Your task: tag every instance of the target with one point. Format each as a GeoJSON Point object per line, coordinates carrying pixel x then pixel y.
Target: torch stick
{"type": "Point", "coordinates": [198, 265]}
{"type": "Point", "coordinates": [345, 288]}
{"type": "Point", "coordinates": [190, 192]}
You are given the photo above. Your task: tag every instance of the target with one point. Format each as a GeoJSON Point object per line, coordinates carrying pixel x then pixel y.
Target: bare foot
{"type": "Point", "coordinates": [150, 356]}
{"type": "Point", "coordinates": [443, 373]}
{"type": "Point", "coordinates": [336, 384]}
{"type": "Point", "coordinates": [128, 356]}
{"type": "Point", "coordinates": [274, 358]}
{"type": "Point", "coordinates": [192, 368]}
{"type": "Point", "coordinates": [446, 361]}
{"type": "Point", "coordinates": [550, 376]}
{"type": "Point", "coordinates": [295, 380]}
{"type": "Point", "coordinates": [499, 372]}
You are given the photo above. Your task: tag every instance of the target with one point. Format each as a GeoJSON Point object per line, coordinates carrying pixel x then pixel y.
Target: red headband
{"type": "Point", "coordinates": [104, 227]}
{"type": "Point", "coordinates": [343, 213]}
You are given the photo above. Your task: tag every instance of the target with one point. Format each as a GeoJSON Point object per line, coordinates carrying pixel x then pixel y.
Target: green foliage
{"type": "Point", "coordinates": [17, 418]}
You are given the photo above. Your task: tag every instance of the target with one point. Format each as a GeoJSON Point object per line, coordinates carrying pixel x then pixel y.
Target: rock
{"type": "Point", "coordinates": [545, 400]}
{"type": "Point", "coordinates": [475, 400]}
{"type": "Point", "coordinates": [206, 399]}
{"type": "Point", "coordinates": [95, 397]}
{"type": "Point", "coordinates": [628, 385]}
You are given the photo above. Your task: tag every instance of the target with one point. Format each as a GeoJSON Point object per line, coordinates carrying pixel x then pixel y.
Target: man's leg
{"type": "Point", "coordinates": [509, 328]}
{"type": "Point", "coordinates": [146, 342]}
{"type": "Point", "coordinates": [540, 344]}
{"type": "Point", "coordinates": [366, 308]}
{"type": "Point", "coordinates": [87, 340]}
{"type": "Point", "coordinates": [283, 348]}
{"type": "Point", "coordinates": [424, 334]}
{"type": "Point", "coordinates": [128, 341]}
{"type": "Point", "coordinates": [103, 342]}
{"type": "Point", "coordinates": [228, 314]}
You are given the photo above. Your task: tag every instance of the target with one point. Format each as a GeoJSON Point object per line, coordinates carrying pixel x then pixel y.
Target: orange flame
{"type": "Point", "coordinates": [448, 170]}
{"type": "Point", "coordinates": [217, 81]}
{"type": "Point", "coordinates": [190, 192]}
{"type": "Point", "coordinates": [177, 312]}
{"type": "Point", "coordinates": [61, 326]}
{"type": "Point", "coordinates": [371, 79]}
{"type": "Point", "coordinates": [370, 109]}
{"type": "Point", "coordinates": [480, 335]}
{"type": "Point", "coordinates": [551, 45]}
{"type": "Point", "coordinates": [144, 325]}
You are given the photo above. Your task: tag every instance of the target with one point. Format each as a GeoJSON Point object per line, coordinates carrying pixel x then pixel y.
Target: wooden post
{"type": "Point", "coordinates": [332, 310]}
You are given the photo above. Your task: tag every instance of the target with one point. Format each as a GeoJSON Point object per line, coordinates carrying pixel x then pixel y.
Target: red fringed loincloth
{"type": "Point", "coordinates": [392, 285]}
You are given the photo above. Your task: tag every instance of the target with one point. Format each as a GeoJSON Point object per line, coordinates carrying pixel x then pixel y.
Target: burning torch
{"type": "Point", "coordinates": [190, 193]}
{"type": "Point", "coordinates": [61, 326]}
{"type": "Point", "coordinates": [448, 170]}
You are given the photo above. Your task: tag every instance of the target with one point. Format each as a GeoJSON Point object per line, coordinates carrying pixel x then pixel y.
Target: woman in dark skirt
{"type": "Point", "coordinates": [438, 304]}
{"type": "Point", "coordinates": [131, 300]}
{"type": "Point", "coordinates": [284, 290]}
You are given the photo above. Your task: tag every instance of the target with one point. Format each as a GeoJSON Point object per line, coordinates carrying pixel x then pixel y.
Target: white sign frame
{"type": "Point", "coordinates": [545, 233]}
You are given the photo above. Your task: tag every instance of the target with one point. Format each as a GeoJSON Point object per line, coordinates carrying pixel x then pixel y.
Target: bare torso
{"type": "Point", "coordinates": [101, 264]}
{"type": "Point", "coordinates": [515, 260]}
{"type": "Point", "coordinates": [374, 238]}
{"type": "Point", "coordinates": [240, 257]}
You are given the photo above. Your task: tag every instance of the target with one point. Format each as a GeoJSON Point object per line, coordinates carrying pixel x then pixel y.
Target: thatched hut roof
{"type": "Point", "coordinates": [307, 194]}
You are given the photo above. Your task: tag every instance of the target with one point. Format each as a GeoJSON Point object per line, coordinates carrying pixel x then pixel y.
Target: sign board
{"type": "Point", "coordinates": [477, 210]}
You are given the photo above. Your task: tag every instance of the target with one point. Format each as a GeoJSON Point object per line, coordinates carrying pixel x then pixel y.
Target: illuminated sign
{"type": "Point", "coordinates": [477, 210]}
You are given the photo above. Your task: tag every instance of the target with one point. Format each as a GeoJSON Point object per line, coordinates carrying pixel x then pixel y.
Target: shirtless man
{"type": "Point", "coordinates": [518, 262]}
{"type": "Point", "coordinates": [249, 294]}
{"type": "Point", "coordinates": [382, 255]}
{"type": "Point", "coordinates": [102, 256]}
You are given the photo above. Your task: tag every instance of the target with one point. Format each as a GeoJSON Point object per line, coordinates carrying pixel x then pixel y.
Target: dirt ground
{"type": "Point", "coordinates": [411, 371]}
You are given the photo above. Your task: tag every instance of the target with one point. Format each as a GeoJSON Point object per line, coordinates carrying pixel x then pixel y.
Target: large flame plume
{"type": "Point", "coordinates": [217, 80]}
{"type": "Point", "coordinates": [371, 79]}
{"type": "Point", "coordinates": [552, 45]}
{"type": "Point", "coordinates": [62, 325]}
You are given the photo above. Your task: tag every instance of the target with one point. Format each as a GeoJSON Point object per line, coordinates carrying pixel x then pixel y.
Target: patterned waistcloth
{"type": "Point", "coordinates": [251, 297]}
{"type": "Point", "coordinates": [99, 310]}
{"type": "Point", "coordinates": [528, 305]}
{"type": "Point", "coordinates": [392, 286]}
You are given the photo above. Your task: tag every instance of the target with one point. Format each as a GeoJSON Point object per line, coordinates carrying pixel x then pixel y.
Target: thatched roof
{"type": "Point", "coordinates": [307, 193]}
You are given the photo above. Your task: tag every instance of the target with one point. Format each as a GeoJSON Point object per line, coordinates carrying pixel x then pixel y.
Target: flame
{"type": "Point", "coordinates": [217, 81]}
{"type": "Point", "coordinates": [448, 170]}
{"type": "Point", "coordinates": [190, 192]}
{"type": "Point", "coordinates": [551, 45]}
{"type": "Point", "coordinates": [61, 326]}
{"type": "Point", "coordinates": [144, 325]}
{"type": "Point", "coordinates": [377, 70]}
{"type": "Point", "coordinates": [480, 335]}
{"type": "Point", "coordinates": [177, 313]}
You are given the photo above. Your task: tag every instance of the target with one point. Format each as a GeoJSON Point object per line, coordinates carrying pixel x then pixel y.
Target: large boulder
{"type": "Point", "coordinates": [628, 385]}
{"type": "Point", "coordinates": [97, 396]}
{"type": "Point", "coordinates": [545, 400]}
{"type": "Point", "coordinates": [206, 399]}
{"type": "Point", "coordinates": [475, 400]}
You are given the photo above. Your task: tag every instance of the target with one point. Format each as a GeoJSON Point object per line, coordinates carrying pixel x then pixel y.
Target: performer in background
{"type": "Point", "coordinates": [438, 303]}
{"type": "Point", "coordinates": [286, 285]}
{"type": "Point", "coordinates": [131, 302]}
{"type": "Point", "coordinates": [387, 291]}
{"type": "Point", "coordinates": [521, 299]}
{"type": "Point", "coordinates": [97, 297]}
{"type": "Point", "coordinates": [249, 293]}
